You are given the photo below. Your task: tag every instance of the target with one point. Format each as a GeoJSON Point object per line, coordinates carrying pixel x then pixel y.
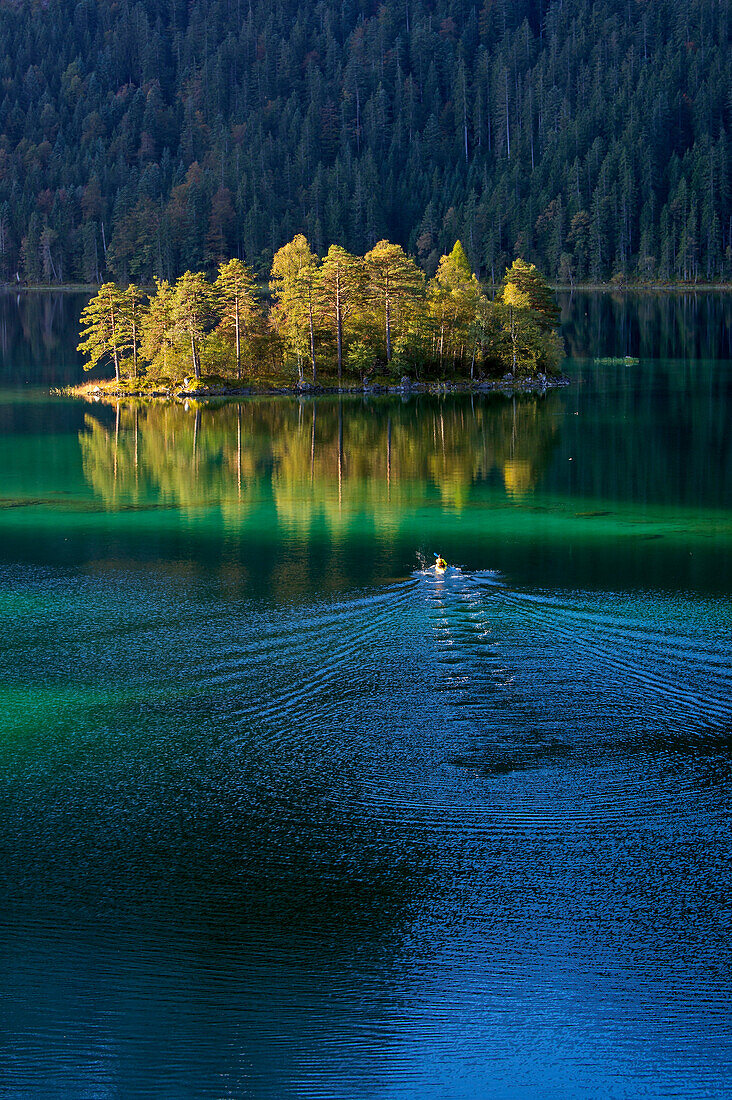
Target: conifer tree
{"type": "Point", "coordinates": [103, 328]}
{"type": "Point", "coordinates": [395, 283]}
{"type": "Point", "coordinates": [518, 302]}
{"type": "Point", "coordinates": [341, 287]}
{"type": "Point", "coordinates": [158, 331]}
{"type": "Point", "coordinates": [5, 241]}
{"type": "Point", "coordinates": [454, 297]}
{"type": "Point", "coordinates": [526, 278]}
{"type": "Point", "coordinates": [294, 286]}
{"type": "Point", "coordinates": [132, 314]}
{"type": "Point", "coordinates": [236, 300]}
{"type": "Point", "coordinates": [30, 250]}
{"type": "Point", "coordinates": [192, 312]}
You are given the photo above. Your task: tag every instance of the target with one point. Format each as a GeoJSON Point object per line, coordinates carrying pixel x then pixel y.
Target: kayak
{"type": "Point", "coordinates": [440, 564]}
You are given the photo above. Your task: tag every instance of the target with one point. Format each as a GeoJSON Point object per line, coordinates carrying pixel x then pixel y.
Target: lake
{"type": "Point", "coordinates": [285, 814]}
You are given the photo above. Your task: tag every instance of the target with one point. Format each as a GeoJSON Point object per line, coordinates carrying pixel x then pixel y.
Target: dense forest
{"type": "Point", "coordinates": [141, 139]}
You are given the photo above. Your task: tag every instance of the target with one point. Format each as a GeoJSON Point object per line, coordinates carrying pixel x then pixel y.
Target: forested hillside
{"type": "Point", "coordinates": [588, 136]}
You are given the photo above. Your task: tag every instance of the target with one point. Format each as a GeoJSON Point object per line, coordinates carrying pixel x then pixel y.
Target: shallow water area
{"type": "Point", "coordinates": [285, 813]}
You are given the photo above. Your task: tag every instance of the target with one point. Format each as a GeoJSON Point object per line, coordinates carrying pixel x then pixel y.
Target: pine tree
{"type": "Point", "coordinates": [236, 302]}
{"type": "Point", "coordinates": [395, 283]}
{"type": "Point", "coordinates": [454, 297]}
{"type": "Point", "coordinates": [5, 242]}
{"type": "Point", "coordinates": [541, 299]}
{"type": "Point", "coordinates": [192, 312]}
{"type": "Point", "coordinates": [517, 302]}
{"type": "Point", "coordinates": [340, 290]}
{"type": "Point", "coordinates": [158, 327]}
{"type": "Point", "coordinates": [130, 324]}
{"type": "Point", "coordinates": [90, 253]}
{"type": "Point", "coordinates": [294, 286]}
{"type": "Point", "coordinates": [30, 250]}
{"type": "Point", "coordinates": [102, 328]}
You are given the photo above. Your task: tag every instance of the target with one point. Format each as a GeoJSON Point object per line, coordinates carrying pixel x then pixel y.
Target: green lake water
{"type": "Point", "coordinates": [285, 814]}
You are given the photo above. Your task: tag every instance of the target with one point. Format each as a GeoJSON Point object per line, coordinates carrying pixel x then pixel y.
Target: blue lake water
{"type": "Point", "coordinates": [285, 814]}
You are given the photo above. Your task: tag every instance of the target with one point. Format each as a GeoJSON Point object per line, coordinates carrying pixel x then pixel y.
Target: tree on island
{"type": "Point", "coordinates": [396, 284]}
{"type": "Point", "coordinates": [531, 317]}
{"type": "Point", "coordinates": [236, 297]}
{"type": "Point", "coordinates": [341, 290]}
{"type": "Point", "coordinates": [132, 317]}
{"type": "Point", "coordinates": [540, 297]}
{"type": "Point", "coordinates": [158, 337]}
{"type": "Point", "coordinates": [376, 309]}
{"type": "Point", "coordinates": [192, 311]}
{"type": "Point", "coordinates": [454, 297]}
{"type": "Point", "coordinates": [294, 286]}
{"type": "Point", "coordinates": [104, 328]}
{"type": "Point", "coordinates": [517, 301]}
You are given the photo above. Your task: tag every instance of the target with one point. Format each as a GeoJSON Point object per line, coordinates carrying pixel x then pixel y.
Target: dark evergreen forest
{"type": "Point", "coordinates": [143, 138]}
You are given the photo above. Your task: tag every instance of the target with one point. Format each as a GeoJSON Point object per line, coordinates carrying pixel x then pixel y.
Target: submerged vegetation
{"type": "Point", "coordinates": [355, 317]}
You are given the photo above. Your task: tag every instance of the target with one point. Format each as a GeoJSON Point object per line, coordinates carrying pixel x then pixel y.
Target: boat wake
{"type": "Point", "coordinates": [452, 698]}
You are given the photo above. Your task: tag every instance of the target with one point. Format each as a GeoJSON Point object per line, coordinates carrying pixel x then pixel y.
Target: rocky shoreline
{"type": "Point", "coordinates": [507, 385]}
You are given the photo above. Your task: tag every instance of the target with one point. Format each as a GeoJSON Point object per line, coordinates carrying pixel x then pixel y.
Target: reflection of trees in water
{"type": "Point", "coordinates": [675, 325]}
{"type": "Point", "coordinates": [318, 457]}
{"type": "Point", "coordinates": [38, 337]}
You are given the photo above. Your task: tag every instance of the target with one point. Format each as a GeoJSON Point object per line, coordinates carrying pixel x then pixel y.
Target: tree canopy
{"type": "Point", "coordinates": [357, 315]}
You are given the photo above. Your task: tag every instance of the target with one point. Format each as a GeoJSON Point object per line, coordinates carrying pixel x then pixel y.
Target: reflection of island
{"type": "Point", "coordinates": [328, 456]}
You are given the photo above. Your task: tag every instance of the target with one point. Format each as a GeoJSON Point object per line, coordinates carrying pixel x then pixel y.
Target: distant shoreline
{"type": "Point", "coordinates": [642, 288]}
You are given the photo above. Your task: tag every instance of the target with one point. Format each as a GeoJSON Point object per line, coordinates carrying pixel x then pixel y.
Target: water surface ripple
{"type": "Point", "coordinates": [284, 814]}
{"type": "Point", "coordinates": [457, 837]}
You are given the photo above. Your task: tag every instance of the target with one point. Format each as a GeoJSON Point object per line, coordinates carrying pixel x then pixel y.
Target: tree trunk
{"type": "Point", "coordinates": [194, 356]}
{"type": "Point", "coordinates": [513, 337]}
{"type": "Point", "coordinates": [238, 339]}
{"type": "Point", "coordinates": [339, 331]}
{"type": "Point", "coordinates": [115, 353]}
{"type": "Point", "coordinates": [312, 331]}
{"type": "Point", "coordinates": [134, 348]}
{"type": "Point", "coordinates": [388, 327]}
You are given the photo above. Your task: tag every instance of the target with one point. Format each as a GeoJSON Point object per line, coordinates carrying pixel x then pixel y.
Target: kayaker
{"type": "Point", "coordinates": [440, 563]}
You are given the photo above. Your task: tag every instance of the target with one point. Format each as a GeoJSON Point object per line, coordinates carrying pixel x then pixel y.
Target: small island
{"type": "Point", "coordinates": [336, 324]}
